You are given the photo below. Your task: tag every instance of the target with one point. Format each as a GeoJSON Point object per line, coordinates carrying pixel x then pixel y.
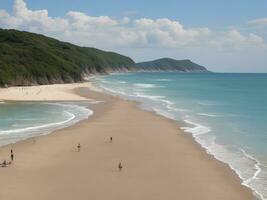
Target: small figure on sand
{"type": "Point", "coordinates": [110, 139]}
{"type": "Point", "coordinates": [79, 147]}
{"type": "Point", "coordinates": [11, 155]}
{"type": "Point", "coordinates": [5, 164]}
{"type": "Point", "coordinates": [120, 166]}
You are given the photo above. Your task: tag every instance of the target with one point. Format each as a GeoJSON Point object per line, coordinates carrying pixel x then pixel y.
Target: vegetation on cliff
{"type": "Point", "coordinates": [33, 59]}
{"type": "Point", "coordinates": [28, 59]}
{"type": "Point", "coordinates": [168, 64]}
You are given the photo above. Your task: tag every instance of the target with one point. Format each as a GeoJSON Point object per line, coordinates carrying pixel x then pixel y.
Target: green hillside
{"type": "Point", "coordinates": [168, 64]}
{"type": "Point", "coordinates": [33, 59]}
{"type": "Point", "coordinates": [29, 59]}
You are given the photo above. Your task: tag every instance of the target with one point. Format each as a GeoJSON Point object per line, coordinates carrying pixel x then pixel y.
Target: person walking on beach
{"type": "Point", "coordinates": [11, 155]}
{"type": "Point", "coordinates": [110, 139]}
{"type": "Point", "coordinates": [120, 166]}
{"type": "Point", "coordinates": [79, 147]}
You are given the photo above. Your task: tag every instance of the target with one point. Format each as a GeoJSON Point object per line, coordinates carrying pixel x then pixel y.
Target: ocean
{"type": "Point", "coordinates": [19, 121]}
{"type": "Point", "coordinates": [225, 113]}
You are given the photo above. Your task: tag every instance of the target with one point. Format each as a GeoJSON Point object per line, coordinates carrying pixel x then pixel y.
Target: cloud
{"type": "Point", "coordinates": [37, 21]}
{"type": "Point", "coordinates": [260, 21]}
{"type": "Point", "coordinates": [107, 32]}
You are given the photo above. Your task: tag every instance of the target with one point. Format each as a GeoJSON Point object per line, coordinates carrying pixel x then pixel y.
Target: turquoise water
{"type": "Point", "coordinates": [226, 113]}
{"type": "Point", "coordinates": [19, 121]}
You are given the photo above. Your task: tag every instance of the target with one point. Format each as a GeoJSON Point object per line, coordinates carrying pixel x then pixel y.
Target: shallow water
{"type": "Point", "coordinates": [20, 121]}
{"type": "Point", "coordinates": [226, 113]}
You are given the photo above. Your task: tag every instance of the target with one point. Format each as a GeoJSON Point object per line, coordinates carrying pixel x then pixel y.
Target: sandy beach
{"type": "Point", "coordinates": [56, 92]}
{"type": "Point", "coordinates": [159, 160]}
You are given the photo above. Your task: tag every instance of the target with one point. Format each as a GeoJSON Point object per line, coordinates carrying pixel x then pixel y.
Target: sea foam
{"type": "Point", "coordinates": [251, 171]}
{"type": "Point", "coordinates": [29, 127]}
{"type": "Point", "coordinates": [143, 85]}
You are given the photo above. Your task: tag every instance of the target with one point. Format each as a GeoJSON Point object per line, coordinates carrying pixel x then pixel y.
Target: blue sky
{"type": "Point", "coordinates": [213, 13]}
{"type": "Point", "coordinates": [225, 35]}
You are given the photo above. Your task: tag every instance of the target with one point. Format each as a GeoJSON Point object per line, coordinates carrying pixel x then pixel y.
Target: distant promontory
{"type": "Point", "coordinates": [168, 64]}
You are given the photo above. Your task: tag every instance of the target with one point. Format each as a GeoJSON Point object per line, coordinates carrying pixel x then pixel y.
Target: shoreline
{"type": "Point", "coordinates": [180, 126]}
{"type": "Point", "coordinates": [222, 170]}
{"type": "Point", "coordinates": [192, 128]}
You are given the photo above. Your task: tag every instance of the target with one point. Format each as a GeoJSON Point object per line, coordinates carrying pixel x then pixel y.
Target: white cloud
{"type": "Point", "coordinates": [234, 40]}
{"type": "Point", "coordinates": [260, 21]}
{"type": "Point", "coordinates": [106, 32]}
{"type": "Point", "coordinates": [39, 21]}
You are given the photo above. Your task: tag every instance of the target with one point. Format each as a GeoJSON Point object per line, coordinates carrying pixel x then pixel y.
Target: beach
{"type": "Point", "coordinates": [56, 92]}
{"type": "Point", "coordinates": [159, 160]}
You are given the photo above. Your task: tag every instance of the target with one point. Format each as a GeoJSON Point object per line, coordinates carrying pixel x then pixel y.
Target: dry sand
{"type": "Point", "coordinates": [56, 92]}
{"type": "Point", "coordinates": [159, 161]}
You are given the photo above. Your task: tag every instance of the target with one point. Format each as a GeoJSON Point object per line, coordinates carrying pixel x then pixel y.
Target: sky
{"type": "Point", "coordinates": [222, 35]}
